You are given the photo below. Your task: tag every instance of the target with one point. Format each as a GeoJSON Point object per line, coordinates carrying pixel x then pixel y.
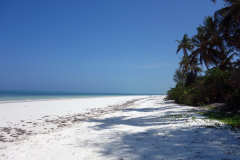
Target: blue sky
{"type": "Point", "coordinates": [113, 46]}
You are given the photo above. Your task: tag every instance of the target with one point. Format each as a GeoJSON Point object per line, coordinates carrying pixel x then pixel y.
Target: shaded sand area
{"type": "Point", "coordinates": [145, 128]}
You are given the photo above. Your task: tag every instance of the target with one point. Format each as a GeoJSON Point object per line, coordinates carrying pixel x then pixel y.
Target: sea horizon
{"type": "Point", "coordinates": [15, 95]}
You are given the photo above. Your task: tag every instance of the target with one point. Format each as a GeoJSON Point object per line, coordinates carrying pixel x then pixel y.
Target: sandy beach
{"type": "Point", "coordinates": [19, 119]}
{"type": "Point", "coordinates": [125, 127]}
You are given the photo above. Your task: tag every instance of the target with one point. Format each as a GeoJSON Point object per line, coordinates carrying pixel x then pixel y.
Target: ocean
{"type": "Point", "coordinates": [35, 95]}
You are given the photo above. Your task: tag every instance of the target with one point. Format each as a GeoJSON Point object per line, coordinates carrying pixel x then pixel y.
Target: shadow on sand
{"type": "Point", "coordinates": [151, 137]}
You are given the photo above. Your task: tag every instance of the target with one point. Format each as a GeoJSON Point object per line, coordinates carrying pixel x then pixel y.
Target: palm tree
{"type": "Point", "coordinates": [211, 32]}
{"type": "Point", "coordinates": [186, 65]}
{"type": "Point", "coordinates": [225, 62]}
{"type": "Point", "coordinates": [229, 22]}
{"type": "Point", "coordinates": [185, 44]}
{"type": "Point", "coordinates": [207, 43]}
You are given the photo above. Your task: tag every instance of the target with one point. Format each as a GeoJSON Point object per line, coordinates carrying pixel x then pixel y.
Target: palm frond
{"type": "Point", "coordinates": [179, 48]}
{"type": "Point", "coordinates": [214, 1]}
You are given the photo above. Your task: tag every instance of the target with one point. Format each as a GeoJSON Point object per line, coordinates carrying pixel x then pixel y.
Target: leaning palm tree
{"type": "Point", "coordinates": [185, 44]}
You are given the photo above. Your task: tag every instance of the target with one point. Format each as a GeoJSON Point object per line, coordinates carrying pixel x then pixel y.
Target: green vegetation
{"type": "Point", "coordinates": [229, 119]}
{"type": "Point", "coordinates": [215, 86]}
{"type": "Point", "coordinates": [215, 45]}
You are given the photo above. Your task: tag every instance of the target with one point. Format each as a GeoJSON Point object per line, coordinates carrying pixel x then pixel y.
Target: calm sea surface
{"type": "Point", "coordinates": [34, 95]}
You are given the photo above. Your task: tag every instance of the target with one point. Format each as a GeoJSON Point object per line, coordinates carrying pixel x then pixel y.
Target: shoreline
{"type": "Point", "coordinates": [70, 98]}
{"type": "Point", "coordinates": [22, 119]}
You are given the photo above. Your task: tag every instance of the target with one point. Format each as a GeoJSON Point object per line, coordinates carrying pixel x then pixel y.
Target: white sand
{"type": "Point", "coordinates": [20, 119]}
{"type": "Point", "coordinates": [146, 129]}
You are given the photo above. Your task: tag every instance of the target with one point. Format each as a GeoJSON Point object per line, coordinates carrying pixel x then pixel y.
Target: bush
{"type": "Point", "coordinates": [219, 83]}
{"type": "Point", "coordinates": [215, 86]}
{"type": "Point", "coordinates": [174, 93]}
{"type": "Point", "coordinates": [180, 84]}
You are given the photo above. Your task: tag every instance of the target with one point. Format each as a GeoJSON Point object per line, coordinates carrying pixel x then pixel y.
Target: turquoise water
{"type": "Point", "coordinates": [35, 95]}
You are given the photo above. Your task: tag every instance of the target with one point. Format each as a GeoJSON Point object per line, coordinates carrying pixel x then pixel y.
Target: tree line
{"type": "Point", "coordinates": [215, 46]}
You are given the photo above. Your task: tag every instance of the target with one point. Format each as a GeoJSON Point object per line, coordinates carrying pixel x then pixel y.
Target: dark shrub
{"type": "Point", "coordinates": [191, 77]}
{"type": "Point", "coordinates": [234, 101]}
{"type": "Point", "coordinates": [180, 84]}
{"type": "Point", "coordinates": [219, 83]}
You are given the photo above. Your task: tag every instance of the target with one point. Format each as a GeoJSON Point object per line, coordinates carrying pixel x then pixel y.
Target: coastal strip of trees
{"type": "Point", "coordinates": [216, 46]}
